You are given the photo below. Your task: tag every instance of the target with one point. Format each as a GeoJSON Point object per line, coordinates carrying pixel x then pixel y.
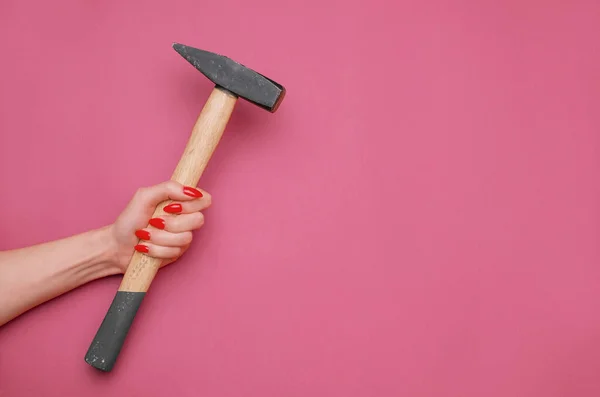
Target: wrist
{"type": "Point", "coordinates": [104, 255]}
{"type": "Point", "coordinates": [111, 257]}
{"type": "Point", "coordinates": [74, 261]}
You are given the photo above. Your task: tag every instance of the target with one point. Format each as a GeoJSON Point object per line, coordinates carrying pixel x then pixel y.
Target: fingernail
{"type": "Point", "coordinates": [143, 234]}
{"type": "Point", "coordinates": [157, 223]}
{"type": "Point", "coordinates": [190, 191]}
{"type": "Point", "coordinates": [141, 248]}
{"type": "Point", "coordinates": [173, 208]}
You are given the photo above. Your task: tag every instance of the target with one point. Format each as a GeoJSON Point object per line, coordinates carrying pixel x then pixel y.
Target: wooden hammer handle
{"type": "Point", "coordinates": [142, 269]}
{"type": "Point", "coordinates": [205, 136]}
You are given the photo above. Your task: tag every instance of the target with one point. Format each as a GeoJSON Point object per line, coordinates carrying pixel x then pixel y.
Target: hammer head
{"type": "Point", "coordinates": [235, 77]}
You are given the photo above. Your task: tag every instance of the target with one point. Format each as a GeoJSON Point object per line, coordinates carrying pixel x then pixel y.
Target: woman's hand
{"type": "Point", "coordinates": [32, 275]}
{"type": "Point", "coordinates": [167, 237]}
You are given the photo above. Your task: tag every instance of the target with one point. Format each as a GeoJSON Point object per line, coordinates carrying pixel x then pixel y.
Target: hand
{"type": "Point", "coordinates": [167, 237]}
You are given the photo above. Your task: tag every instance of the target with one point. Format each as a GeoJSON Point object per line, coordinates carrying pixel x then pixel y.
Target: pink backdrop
{"type": "Point", "coordinates": [419, 218]}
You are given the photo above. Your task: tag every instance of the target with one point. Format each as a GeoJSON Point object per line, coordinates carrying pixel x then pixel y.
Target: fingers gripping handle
{"type": "Point", "coordinates": [206, 134]}
{"type": "Point", "coordinates": [203, 141]}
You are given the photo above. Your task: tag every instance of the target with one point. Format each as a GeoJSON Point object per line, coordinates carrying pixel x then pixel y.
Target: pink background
{"type": "Point", "coordinates": [420, 217]}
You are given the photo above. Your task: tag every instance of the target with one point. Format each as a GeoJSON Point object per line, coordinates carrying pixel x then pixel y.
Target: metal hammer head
{"type": "Point", "coordinates": [235, 77]}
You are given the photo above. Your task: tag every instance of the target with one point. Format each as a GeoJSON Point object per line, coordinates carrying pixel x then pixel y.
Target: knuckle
{"type": "Point", "coordinates": [172, 185]}
{"type": "Point", "coordinates": [207, 199]}
{"type": "Point", "coordinates": [199, 221]}
{"type": "Point", "coordinates": [186, 238]}
{"type": "Point", "coordinates": [169, 252]}
{"type": "Point", "coordinates": [176, 252]}
{"type": "Point", "coordinates": [143, 193]}
{"type": "Point", "coordinates": [140, 192]}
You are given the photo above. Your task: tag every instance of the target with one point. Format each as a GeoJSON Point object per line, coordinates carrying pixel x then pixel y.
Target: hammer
{"type": "Point", "coordinates": [232, 81]}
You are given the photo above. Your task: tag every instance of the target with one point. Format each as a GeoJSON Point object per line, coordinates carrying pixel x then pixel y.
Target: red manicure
{"type": "Point", "coordinates": [143, 234]}
{"type": "Point", "coordinates": [141, 248]}
{"type": "Point", "coordinates": [157, 223]}
{"type": "Point", "coordinates": [190, 191]}
{"type": "Point", "coordinates": [173, 208]}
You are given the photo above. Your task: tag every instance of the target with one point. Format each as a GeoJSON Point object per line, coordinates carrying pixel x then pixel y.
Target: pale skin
{"type": "Point", "coordinates": [33, 275]}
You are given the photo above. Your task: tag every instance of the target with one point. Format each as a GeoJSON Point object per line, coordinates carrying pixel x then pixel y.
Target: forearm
{"type": "Point", "coordinates": [33, 275]}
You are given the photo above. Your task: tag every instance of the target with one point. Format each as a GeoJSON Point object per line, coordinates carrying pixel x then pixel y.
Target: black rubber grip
{"type": "Point", "coordinates": [109, 339]}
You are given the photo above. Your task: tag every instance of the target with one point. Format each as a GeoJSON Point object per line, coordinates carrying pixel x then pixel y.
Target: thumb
{"type": "Point", "coordinates": [150, 197]}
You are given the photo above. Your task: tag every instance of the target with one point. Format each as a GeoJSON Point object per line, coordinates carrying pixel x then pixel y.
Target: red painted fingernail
{"type": "Point", "coordinates": [143, 234]}
{"type": "Point", "coordinates": [190, 191]}
{"type": "Point", "coordinates": [173, 208]}
{"type": "Point", "coordinates": [141, 248]}
{"type": "Point", "coordinates": [157, 223]}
